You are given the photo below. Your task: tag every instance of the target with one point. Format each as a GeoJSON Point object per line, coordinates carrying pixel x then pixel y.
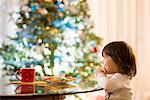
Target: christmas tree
{"type": "Point", "coordinates": [54, 36]}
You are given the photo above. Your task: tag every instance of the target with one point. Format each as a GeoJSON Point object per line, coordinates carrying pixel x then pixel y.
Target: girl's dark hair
{"type": "Point", "coordinates": [122, 54]}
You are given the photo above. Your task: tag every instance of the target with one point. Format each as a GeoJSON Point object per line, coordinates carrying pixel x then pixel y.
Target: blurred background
{"type": "Point", "coordinates": [127, 20]}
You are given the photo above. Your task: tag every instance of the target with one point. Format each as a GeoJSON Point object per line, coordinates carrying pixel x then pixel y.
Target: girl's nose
{"type": "Point", "coordinates": [102, 61]}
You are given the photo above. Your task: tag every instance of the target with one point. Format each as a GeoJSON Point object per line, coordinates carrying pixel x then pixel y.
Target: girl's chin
{"type": "Point", "coordinates": [110, 73]}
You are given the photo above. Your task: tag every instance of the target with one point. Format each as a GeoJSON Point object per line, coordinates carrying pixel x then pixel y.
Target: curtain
{"type": "Point", "coordinates": [6, 25]}
{"type": "Point", "coordinates": [127, 20]}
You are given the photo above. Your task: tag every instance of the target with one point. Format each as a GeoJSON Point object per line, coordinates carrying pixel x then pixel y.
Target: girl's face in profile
{"type": "Point", "coordinates": [110, 66]}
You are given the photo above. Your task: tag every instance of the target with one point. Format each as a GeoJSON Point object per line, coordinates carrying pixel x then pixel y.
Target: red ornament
{"type": "Point", "coordinates": [95, 49]}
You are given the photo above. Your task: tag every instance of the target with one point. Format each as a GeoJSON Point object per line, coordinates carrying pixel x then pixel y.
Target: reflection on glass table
{"type": "Point", "coordinates": [43, 89]}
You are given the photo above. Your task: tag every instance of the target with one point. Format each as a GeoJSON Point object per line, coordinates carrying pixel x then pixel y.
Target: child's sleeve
{"type": "Point", "coordinates": [102, 80]}
{"type": "Point", "coordinates": [117, 81]}
{"type": "Point", "coordinates": [113, 83]}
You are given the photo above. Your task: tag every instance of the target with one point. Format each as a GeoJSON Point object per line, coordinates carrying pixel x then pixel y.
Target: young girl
{"type": "Point", "coordinates": [119, 68]}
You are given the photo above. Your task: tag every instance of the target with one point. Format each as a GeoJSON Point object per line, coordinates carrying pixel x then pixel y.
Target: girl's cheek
{"type": "Point", "coordinates": [103, 61]}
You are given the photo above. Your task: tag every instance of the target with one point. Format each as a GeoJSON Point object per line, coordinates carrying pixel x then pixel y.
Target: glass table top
{"type": "Point", "coordinates": [17, 88]}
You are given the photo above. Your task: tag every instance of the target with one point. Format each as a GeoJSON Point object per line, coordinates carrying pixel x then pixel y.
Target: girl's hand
{"type": "Point", "coordinates": [104, 70]}
{"type": "Point", "coordinates": [100, 72]}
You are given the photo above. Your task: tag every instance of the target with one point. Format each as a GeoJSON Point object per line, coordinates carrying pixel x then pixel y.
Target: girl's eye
{"type": "Point", "coordinates": [105, 57]}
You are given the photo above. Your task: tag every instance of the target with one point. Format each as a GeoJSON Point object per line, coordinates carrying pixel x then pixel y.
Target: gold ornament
{"type": "Point", "coordinates": [49, 1]}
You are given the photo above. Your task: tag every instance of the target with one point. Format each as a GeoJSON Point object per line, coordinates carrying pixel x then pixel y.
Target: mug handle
{"type": "Point", "coordinates": [16, 90]}
{"type": "Point", "coordinates": [18, 71]}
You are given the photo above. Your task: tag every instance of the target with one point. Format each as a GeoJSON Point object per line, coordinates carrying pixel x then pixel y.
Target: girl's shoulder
{"type": "Point", "coordinates": [120, 76]}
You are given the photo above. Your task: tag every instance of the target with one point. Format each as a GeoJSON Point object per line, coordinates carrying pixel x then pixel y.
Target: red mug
{"type": "Point", "coordinates": [26, 74]}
